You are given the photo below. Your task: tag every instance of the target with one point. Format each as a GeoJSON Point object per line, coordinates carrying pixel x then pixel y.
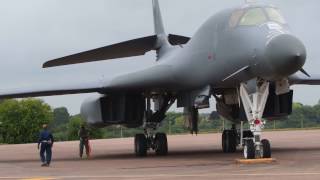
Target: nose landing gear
{"type": "Point", "coordinates": [265, 149]}
{"type": "Point", "coordinates": [249, 149]}
{"type": "Point", "coordinates": [254, 102]}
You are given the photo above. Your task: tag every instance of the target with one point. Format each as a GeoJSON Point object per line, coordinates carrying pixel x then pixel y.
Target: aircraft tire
{"type": "Point", "coordinates": [249, 150]}
{"type": "Point", "coordinates": [161, 144]}
{"type": "Point", "coordinates": [140, 145]}
{"type": "Point", "coordinates": [266, 149]}
{"type": "Point", "coordinates": [229, 141]}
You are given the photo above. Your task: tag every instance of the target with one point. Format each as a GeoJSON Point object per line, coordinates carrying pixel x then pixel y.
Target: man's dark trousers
{"type": "Point", "coordinates": [46, 153]}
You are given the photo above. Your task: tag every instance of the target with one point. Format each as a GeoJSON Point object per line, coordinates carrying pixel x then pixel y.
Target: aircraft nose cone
{"type": "Point", "coordinates": [287, 54]}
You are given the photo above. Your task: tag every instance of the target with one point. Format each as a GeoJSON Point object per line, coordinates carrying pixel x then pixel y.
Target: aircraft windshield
{"type": "Point", "coordinates": [274, 15]}
{"type": "Point", "coordinates": [253, 17]}
{"type": "Point", "coordinates": [235, 17]}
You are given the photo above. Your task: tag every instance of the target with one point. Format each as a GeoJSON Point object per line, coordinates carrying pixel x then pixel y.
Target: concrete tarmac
{"type": "Point", "coordinates": [190, 157]}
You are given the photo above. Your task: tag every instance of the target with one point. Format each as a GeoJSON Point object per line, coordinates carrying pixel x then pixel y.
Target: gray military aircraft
{"type": "Point", "coordinates": [244, 57]}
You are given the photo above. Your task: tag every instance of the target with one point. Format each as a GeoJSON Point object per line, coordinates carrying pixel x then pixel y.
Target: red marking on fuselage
{"type": "Point", "coordinates": [211, 56]}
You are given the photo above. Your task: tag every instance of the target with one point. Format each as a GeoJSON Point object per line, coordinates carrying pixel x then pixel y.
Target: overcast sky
{"type": "Point", "coordinates": [35, 31]}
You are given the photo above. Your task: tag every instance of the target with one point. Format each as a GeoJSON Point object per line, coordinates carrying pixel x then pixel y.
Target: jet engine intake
{"type": "Point", "coordinates": [120, 109]}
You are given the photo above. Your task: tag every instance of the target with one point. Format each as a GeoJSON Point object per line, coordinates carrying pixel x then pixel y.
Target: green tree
{"type": "Point", "coordinates": [61, 116]}
{"type": "Point", "coordinates": [60, 122]}
{"type": "Point", "coordinates": [73, 127]}
{"type": "Point", "coordinates": [22, 120]}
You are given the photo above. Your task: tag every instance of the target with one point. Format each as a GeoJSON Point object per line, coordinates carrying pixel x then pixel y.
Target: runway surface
{"type": "Point", "coordinates": [191, 157]}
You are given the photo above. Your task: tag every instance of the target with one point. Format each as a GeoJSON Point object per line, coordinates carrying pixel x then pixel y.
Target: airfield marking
{"type": "Point", "coordinates": [163, 175]}
{"type": "Point", "coordinates": [38, 178]}
{"type": "Point", "coordinates": [256, 161]}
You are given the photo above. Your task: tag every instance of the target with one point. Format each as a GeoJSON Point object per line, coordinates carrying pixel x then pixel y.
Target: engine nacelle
{"type": "Point", "coordinates": [106, 110]}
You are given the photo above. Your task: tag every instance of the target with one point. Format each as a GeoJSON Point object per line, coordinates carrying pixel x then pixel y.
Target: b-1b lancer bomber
{"type": "Point", "coordinates": [245, 57]}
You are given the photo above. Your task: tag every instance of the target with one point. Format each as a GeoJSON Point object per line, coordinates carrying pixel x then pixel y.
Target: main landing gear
{"type": "Point", "coordinates": [254, 101]}
{"type": "Point", "coordinates": [158, 143]}
{"type": "Point", "coordinates": [229, 141]}
{"type": "Point", "coordinates": [151, 140]}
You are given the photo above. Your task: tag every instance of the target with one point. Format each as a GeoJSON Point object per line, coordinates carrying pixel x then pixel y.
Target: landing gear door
{"type": "Point", "coordinates": [278, 105]}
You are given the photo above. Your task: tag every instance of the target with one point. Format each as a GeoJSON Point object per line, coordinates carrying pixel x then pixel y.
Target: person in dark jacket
{"type": "Point", "coordinates": [84, 141]}
{"type": "Point", "coordinates": [45, 144]}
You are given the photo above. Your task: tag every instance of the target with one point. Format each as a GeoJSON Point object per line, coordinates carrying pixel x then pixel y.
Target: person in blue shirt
{"type": "Point", "coordinates": [45, 144]}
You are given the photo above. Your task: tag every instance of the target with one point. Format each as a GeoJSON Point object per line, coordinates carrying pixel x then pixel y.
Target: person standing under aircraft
{"type": "Point", "coordinates": [46, 141]}
{"type": "Point", "coordinates": [84, 141]}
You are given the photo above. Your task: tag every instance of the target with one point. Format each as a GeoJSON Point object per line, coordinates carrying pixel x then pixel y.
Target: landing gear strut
{"type": "Point", "coordinates": [151, 140]}
{"type": "Point", "coordinates": [254, 101]}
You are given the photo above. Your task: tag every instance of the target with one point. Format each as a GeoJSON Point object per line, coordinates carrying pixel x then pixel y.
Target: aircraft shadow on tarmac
{"type": "Point", "coordinates": [194, 154]}
{"type": "Point", "coordinates": [125, 156]}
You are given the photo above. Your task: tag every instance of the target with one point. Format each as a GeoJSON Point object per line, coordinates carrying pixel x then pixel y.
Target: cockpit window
{"type": "Point", "coordinates": [235, 17]}
{"type": "Point", "coordinates": [253, 17]}
{"type": "Point", "coordinates": [274, 15]}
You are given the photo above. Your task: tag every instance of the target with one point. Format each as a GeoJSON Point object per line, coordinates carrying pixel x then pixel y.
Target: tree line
{"type": "Point", "coordinates": [21, 121]}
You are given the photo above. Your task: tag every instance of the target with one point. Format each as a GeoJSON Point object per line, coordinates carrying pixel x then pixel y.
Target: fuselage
{"type": "Point", "coordinates": [252, 36]}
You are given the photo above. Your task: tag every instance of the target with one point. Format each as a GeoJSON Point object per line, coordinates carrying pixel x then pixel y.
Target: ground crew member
{"type": "Point", "coordinates": [45, 144]}
{"type": "Point", "coordinates": [84, 141]}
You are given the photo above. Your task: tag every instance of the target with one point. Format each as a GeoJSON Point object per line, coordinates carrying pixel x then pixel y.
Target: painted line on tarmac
{"type": "Point", "coordinates": [39, 178]}
{"type": "Point", "coordinates": [161, 175]}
